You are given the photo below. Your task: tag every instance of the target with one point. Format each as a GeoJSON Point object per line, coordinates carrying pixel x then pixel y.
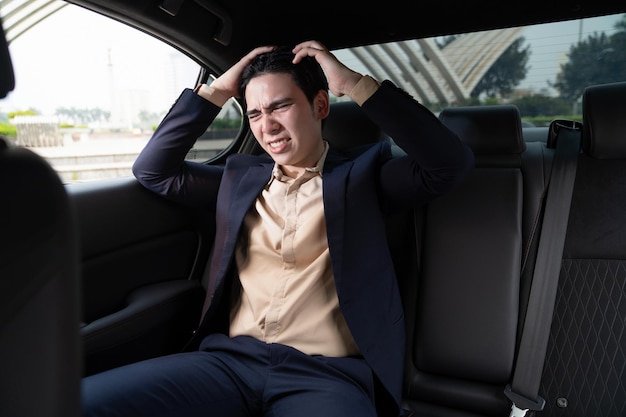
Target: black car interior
{"type": "Point", "coordinates": [143, 286]}
{"type": "Point", "coordinates": [464, 299]}
{"type": "Point", "coordinates": [100, 288]}
{"type": "Point", "coordinates": [465, 264]}
{"type": "Point", "coordinates": [40, 347]}
{"type": "Point", "coordinates": [587, 339]}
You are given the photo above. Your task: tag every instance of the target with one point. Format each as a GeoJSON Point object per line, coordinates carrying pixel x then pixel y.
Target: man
{"type": "Point", "coordinates": [303, 315]}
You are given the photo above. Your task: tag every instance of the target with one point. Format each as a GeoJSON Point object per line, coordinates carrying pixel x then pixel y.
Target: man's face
{"type": "Point", "coordinates": [284, 122]}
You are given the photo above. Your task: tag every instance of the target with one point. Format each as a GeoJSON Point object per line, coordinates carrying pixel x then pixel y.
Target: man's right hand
{"type": "Point", "coordinates": [227, 85]}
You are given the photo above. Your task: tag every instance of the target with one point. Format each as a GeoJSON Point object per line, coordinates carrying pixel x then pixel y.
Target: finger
{"type": "Point", "coordinates": [262, 49]}
{"type": "Point", "coordinates": [312, 49]}
{"type": "Point", "coordinates": [258, 51]}
{"type": "Point", "coordinates": [315, 45]}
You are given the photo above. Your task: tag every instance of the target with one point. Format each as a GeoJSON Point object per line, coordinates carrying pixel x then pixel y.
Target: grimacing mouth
{"type": "Point", "coordinates": [278, 142]}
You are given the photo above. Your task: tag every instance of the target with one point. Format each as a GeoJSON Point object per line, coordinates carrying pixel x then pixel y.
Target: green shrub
{"type": "Point", "coordinates": [545, 120]}
{"type": "Point", "coordinates": [22, 113]}
{"type": "Point", "coordinates": [7, 129]}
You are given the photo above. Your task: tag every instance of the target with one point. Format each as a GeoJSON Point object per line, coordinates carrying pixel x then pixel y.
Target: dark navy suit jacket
{"type": "Point", "coordinates": [359, 189]}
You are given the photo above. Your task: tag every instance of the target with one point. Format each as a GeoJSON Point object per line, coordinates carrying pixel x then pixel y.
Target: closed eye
{"type": "Point", "coordinates": [277, 108]}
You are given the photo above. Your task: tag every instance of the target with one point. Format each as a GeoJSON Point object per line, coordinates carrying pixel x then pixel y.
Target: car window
{"type": "Point", "coordinates": [89, 103]}
{"type": "Point", "coordinates": [542, 69]}
{"type": "Point", "coordinates": [90, 91]}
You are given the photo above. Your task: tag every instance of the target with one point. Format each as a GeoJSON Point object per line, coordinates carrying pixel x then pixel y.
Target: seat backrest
{"type": "Point", "coordinates": [463, 321]}
{"type": "Point", "coordinates": [347, 126]}
{"type": "Point", "coordinates": [585, 369]}
{"type": "Point", "coordinates": [40, 355]}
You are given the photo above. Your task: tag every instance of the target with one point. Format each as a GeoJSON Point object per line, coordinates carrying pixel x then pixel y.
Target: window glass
{"type": "Point", "coordinates": [543, 69]}
{"type": "Point", "coordinates": [90, 91]}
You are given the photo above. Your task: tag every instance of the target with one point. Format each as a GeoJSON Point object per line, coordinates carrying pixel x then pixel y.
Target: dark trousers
{"type": "Point", "coordinates": [231, 378]}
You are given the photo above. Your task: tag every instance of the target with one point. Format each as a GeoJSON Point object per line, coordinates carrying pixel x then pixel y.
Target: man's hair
{"type": "Point", "coordinates": [307, 74]}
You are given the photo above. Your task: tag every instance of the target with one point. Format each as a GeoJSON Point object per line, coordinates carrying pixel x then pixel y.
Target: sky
{"type": "Point", "coordinates": [75, 46]}
{"type": "Point", "coordinates": [550, 42]}
{"type": "Point", "coordinates": [56, 52]}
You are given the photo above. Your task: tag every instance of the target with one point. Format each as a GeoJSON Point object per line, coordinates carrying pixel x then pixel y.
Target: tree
{"type": "Point", "coordinates": [506, 73]}
{"type": "Point", "coordinates": [541, 105]}
{"type": "Point", "coordinates": [82, 116]}
{"type": "Point", "coordinates": [599, 59]}
{"type": "Point", "coordinates": [149, 119]}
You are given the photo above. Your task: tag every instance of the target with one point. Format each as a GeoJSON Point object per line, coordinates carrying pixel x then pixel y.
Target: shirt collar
{"type": "Point", "coordinates": [277, 173]}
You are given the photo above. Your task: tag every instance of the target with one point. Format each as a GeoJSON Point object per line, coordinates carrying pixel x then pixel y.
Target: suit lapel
{"type": "Point", "coordinates": [246, 191]}
{"type": "Point", "coordinates": [242, 190]}
{"type": "Point", "coordinates": [335, 174]}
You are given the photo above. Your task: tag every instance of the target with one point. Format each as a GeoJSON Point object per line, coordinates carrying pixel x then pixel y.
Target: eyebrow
{"type": "Point", "coordinates": [271, 106]}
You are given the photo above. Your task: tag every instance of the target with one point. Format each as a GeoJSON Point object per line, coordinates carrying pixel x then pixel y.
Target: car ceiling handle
{"type": "Point", "coordinates": [225, 31]}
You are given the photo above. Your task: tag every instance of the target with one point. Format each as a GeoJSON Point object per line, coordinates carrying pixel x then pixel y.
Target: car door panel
{"type": "Point", "coordinates": [142, 263]}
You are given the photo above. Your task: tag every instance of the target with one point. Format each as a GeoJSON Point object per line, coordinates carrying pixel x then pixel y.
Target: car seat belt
{"type": "Point", "coordinates": [523, 390]}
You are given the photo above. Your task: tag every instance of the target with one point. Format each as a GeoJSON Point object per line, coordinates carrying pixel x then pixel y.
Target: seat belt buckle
{"type": "Point", "coordinates": [522, 404]}
{"type": "Point", "coordinates": [517, 412]}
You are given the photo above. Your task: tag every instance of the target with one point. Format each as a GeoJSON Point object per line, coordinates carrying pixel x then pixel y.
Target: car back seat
{"type": "Point", "coordinates": [463, 305]}
{"type": "Point", "coordinates": [584, 373]}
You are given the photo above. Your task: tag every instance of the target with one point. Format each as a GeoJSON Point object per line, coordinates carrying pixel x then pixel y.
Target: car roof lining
{"type": "Point", "coordinates": [197, 30]}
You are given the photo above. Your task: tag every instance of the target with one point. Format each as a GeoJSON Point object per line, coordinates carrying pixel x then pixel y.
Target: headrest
{"type": "Point", "coordinates": [604, 121]}
{"type": "Point", "coordinates": [494, 133]}
{"type": "Point", "coordinates": [347, 126]}
{"type": "Point", "coordinates": [7, 77]}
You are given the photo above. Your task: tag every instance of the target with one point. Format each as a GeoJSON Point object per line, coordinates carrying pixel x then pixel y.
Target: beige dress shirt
{"type": "Point", "coordinates": [288, 292]}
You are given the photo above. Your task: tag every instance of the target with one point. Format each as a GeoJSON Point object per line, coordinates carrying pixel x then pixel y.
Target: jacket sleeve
{"type": "Point", "coordinates": [161, 165]}
{"type": "Point", "coordinates": [436, 159]}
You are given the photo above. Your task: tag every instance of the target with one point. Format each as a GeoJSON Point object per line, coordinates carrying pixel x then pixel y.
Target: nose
{"type": "Point", "coordinates": [270, 125]}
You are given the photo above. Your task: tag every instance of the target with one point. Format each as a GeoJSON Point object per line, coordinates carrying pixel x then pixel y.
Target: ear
{"type": "Point", "coordinates": [321, 104]}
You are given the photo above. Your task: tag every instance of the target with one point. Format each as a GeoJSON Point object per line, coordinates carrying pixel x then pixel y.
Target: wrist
{"type": "Point", "coordinates": [363, 89]}
{"type": "Point", "coordinates": [217, 97]}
